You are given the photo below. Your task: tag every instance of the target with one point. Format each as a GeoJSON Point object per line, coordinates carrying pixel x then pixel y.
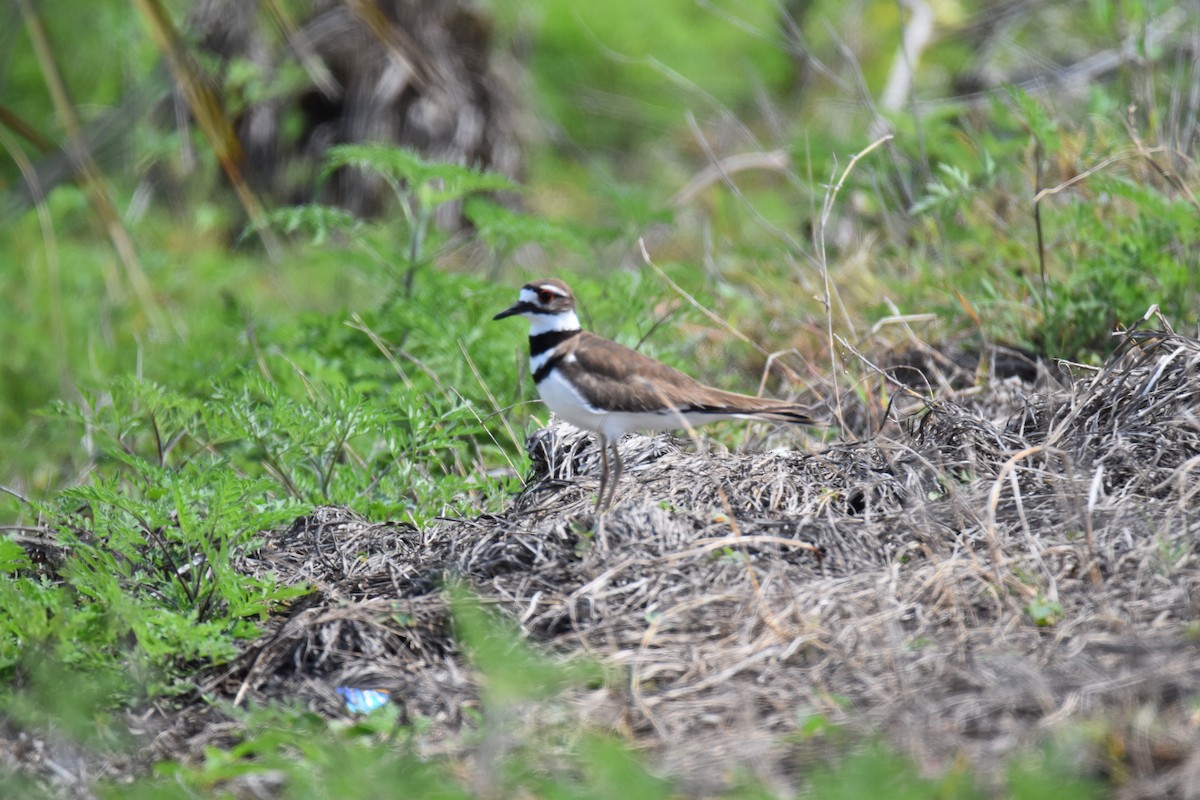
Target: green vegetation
{"type": "Point", "coordinates": [153, 438]}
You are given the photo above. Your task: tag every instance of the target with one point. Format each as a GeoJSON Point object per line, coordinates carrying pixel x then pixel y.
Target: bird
{"type": "Point", "coordinates": [604, 387]}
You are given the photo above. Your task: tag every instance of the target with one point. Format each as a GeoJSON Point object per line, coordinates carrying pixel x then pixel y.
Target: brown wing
{"type": "Point", "coordinates": [630, 381]}
{"type": "Point", "coordinates": [623, 376]}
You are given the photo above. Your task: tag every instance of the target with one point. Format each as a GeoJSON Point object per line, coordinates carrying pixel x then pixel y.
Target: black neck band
{"type": "Point", "coordinates": [542, 342]}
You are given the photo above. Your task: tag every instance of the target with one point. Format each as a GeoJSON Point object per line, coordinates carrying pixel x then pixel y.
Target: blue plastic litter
{"type": "Point", "coordinates": [362, 701]}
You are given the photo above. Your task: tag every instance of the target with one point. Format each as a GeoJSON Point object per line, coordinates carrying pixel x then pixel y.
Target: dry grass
{"type": "Point", "coordinates": [892, 584]}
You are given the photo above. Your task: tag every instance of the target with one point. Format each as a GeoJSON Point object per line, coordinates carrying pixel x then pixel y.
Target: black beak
{"type": "Point", "coordinates": [516, 308]}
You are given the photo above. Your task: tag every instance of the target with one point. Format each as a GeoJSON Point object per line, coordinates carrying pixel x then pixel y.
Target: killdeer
{"type": "Point", "coordinates": [607, 388]}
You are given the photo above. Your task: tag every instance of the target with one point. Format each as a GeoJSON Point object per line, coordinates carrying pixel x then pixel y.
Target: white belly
{"type": "Point", "coordinates": [568, 404]}
{"type": "Point", "coordinates": [562, 398]}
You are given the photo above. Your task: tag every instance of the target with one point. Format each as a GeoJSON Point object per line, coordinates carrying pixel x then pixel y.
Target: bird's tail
{"type": "Point", "coordinates": [764, 408]}
{"type": "Point", "coordinates": [794, 415]}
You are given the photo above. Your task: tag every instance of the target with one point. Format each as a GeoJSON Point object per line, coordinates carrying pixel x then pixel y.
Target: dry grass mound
{"type": "Point", "coordinates": [998, 565]}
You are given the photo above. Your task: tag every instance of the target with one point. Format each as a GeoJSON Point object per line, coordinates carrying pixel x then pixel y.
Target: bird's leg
{"type": "Point", "coordinates": [603, 468]}
{"type": "Point", "coordinates": [616, 476]}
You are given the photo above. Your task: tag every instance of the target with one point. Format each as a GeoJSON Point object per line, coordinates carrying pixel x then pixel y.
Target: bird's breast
{"type": "Point", "coordinates": [561, 397]}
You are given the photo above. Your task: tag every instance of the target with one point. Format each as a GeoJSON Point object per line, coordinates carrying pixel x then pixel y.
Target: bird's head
{"type": "Point", "coordinates": [548, 305]}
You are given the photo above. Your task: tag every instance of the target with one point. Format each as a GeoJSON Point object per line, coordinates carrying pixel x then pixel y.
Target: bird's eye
{"type": "Point", "coordinates": [545, 296]}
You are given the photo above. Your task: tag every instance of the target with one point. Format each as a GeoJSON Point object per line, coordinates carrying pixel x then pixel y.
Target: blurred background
{"type": "Point", "coordinates": [197, 192]}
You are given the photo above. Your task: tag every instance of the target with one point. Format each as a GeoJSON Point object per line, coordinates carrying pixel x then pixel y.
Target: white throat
{"type": "Point", "coordinates": [547, 323]}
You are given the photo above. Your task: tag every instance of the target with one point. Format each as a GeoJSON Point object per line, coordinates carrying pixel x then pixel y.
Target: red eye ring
{"type": "Point", "coordinates": [545, 296]}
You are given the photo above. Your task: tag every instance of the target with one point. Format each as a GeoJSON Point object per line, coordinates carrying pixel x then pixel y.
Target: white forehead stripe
{"type": "Point", "coordinates": [531, 294]}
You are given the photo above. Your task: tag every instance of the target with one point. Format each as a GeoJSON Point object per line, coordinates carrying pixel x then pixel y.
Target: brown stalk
{"type": "Point", "coordinates": [90, 175]}
{"type": "Point", "coordinates": [207, 109]}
